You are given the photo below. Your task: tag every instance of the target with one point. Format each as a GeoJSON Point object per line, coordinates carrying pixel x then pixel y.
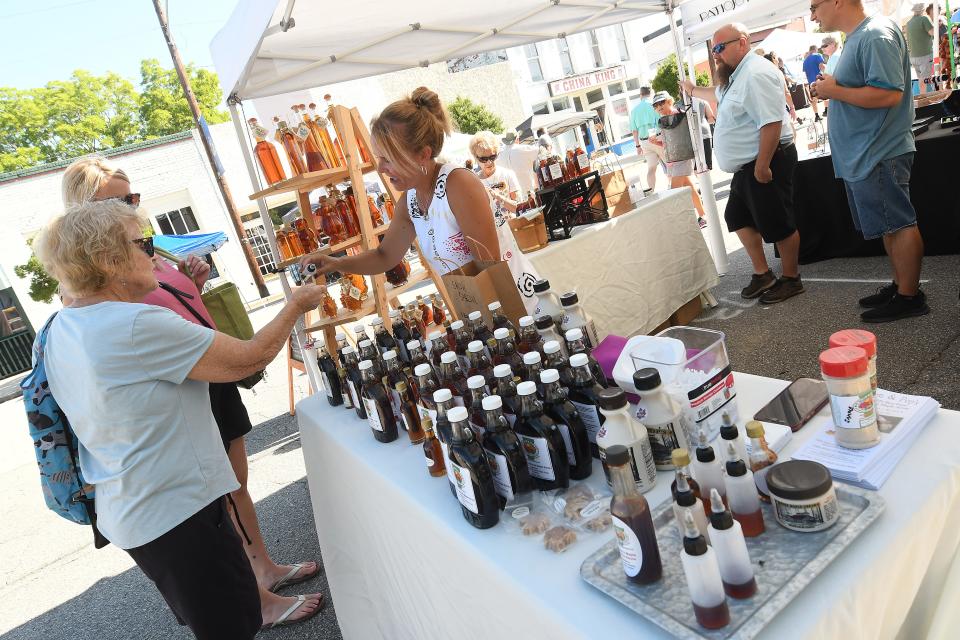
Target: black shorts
{"type": "Point", "coordinates": [202, 571]}
{"type": "Point", "coordinates": [708, 152]}
{"type": "Point", "coordinates": [768, 208]}
{"type": "Point", "coordinates": [229, 412]}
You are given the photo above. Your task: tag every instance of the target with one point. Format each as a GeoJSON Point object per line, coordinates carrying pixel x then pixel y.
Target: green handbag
{"type": "Point", "coordinates": [225, 306]}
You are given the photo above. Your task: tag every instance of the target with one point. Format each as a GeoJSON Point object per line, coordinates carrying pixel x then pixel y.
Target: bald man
{"type": "Point", "coordinates": [753, 140]}
{"type": "Point", "coordinates": [872, 147]}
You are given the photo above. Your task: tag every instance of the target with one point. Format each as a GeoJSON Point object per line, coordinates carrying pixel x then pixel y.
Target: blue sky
{"type": "Point", "coordinates": [44, 40]}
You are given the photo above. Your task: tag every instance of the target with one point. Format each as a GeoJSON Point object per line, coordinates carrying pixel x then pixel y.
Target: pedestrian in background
{"type": "Point", "coordinates": [811, 69]}
{"type": "Point", "coordinates": [519, 158]}
{"type": "Point", "coordinates": [644, 123]}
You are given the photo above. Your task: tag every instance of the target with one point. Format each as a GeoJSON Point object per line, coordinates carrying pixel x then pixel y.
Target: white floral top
{"type": "Point", "coordinates": [441, 239]}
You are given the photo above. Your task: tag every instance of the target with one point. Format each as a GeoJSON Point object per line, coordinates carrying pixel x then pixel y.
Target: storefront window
{"type": "Point", "coordinates": [577, 103]}
{"type": "Point", "coordinates": [565, 61]}
{"type": "Point", "coordinates": [559, 104]}
{"type": "Point", "coordinates": [595, 48]}
{"type": "Point", "coordinates": [595, 96]}
{"type": "Point", "coordinates": [533, 62]}
{"type": "Point", "coordinates": [621, 42]}
{"type": "Point", "coordinates": [633, 84]}
{"type": "Point", "coordinates": [541, 108]}
{"type": "Point", "coordinates": [615, 88]}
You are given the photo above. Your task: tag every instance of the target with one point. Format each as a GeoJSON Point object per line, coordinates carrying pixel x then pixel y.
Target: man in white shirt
{"type": "Point", "coordinates": [753, 140]}
{"type": "Point", "coordinates": [519, 158]}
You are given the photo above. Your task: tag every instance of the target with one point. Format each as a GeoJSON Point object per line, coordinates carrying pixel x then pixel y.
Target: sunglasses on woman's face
{"type": "Point", "coordinates": [145, 245]}
{"type": "Point", "coordinates": [132, 199]}
{"type": "Point", "coordinates": [487, 158]}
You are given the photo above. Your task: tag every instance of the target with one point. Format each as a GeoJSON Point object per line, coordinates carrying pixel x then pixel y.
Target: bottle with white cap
{"type": "Point", "coordinates": [452, 377]}
{"type": "Point", "coordinates": [621, 428]}
{"type": "Point", "coordinates": [532, 366]}
{"type": "Point", "coordinates": [585, 394]}
{"type": "Point", "coordinates": [443, 402]}
{"type": "Point", "coordinates": [367, 351]}
{"type": "Point", "coordinates": [506, 388]}
{"type": "Point", "coordinates": [574, 317]}
{"type": "Point", "coordinates": [528, 339]}
{"type": "Point", "coordinates": [478, 362]}
{"type": "Point", "coordinates": [392, 377]}
{"type": "Point", "coordinates": [377, 404]}
{"type": "Point", "coordinates": [436, 347]}
{"type": "Point", "coordinates": [702, 572]}
{"type": "Point", "coordinates": [742, 496]}
{"type": "Point", "coordinates": [499, 320]}
{"type": "Point", "coordinates": [382, 337]}
{"type": "Point", "coordinates": [479, 328]}
{"type": "Point", "coordinates": [476, 391]}
{"type": "Point", "coordinates": [471, 473]}
{"type": "Point", "coordinates": [341, 339]}
{"type": "Point", "coordinates": [555, 357]}
{"type": "Point", "coordinates": [354, 380]}
{"type": "Point", "coordinates": [402, 335]}
{"type": "Point", "coordinates": [575, 437]}
{"type": "Point", "coordinates": [359, 333]}
{"type": "Point", "coordinates": [663, 417]}
{"type": "Point", "coordinates": [506, 350]}
{"type": "Point", "coordinates": [548, 332]}
{"type": "Point", "coordinates": [542, 441]}
{"type": "Point", "coordinates": [728, 542]}
{"type": "Point", "coordinates": [548, 303]}
{"type": "Point", "coordinates": [577, 344]}
{"type": "Point", "coordinates": [511, 475]}
{"type": "Point", "coordinates": [426, 386]}
{"type": "Point", "coordinates": [416, 354]}
{"type": "Point", "coordinates": [461, 338]}
{"type": "Point", "coordinates": [331, 379]}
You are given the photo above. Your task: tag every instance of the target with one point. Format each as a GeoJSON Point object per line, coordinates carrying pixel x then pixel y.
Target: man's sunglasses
{"type": "Point", "coordinates": [813, 7]}
{"type": "Point", "coordinates": [487, 158]}
{"type": "Point", "coordinates": [132, 199]}
{"type": "Point", "coordinates": [145, 245]}
{"type": "Point", "coordinates": [720, 46]}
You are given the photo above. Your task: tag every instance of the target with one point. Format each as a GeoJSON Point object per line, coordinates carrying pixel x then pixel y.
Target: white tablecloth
{"type": "Point", "coordinates": [632, 272]}
{"type": "Point", "coordinates": [403, 563]}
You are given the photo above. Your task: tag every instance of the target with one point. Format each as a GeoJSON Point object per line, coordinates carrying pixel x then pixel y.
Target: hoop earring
{"type": "Point", "coordinates": [423, 170]}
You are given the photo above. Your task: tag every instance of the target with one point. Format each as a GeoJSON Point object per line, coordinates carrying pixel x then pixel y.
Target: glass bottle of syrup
{"type": "Point", "coordinates": [320, 128]}
{"type": "Point", "coordinates": [632, 522]}
{"type": "Point", "coordinates": [506, 388]}
{"type": "Point", "coordinates": [345, 388]}
{"type": "Point", "coordinates": [554, 357]}
{"type": "Point", "coordinates": [354, 380]}
{"type": "Point", "coordinates": [328, 308]}
{"type": "Point", "coordinates": [367, 351]}
{"type": "Point", "coordinates": [267, 156]}
{"type": "Point", "coordinates": [393, 375]}
{"type": "Point", "coordinates": [542, 442]}
{"type": "Point", "coordinates": [385, 341]}
{"type": "Point", "coordinates": [728, 543]}
{"type": "Point", "coordinates": [348, 216]}
{"type": "Point", "coordinates": [439, 313]}
{"type": "Point", "coordinates": [432, 451]}
{"type": "Point", "coordinates": [477, 390]}
{"type": "Point", "coordinates": [703, 578]}
{"type": "Point", "coordinates": [461, 340]}
{"type": "Point", "coordinates": [409, 414]}
{"type": "Point", "coordinates": [583, 161]}
{"type": "Point", "coordinates": [398, 275]}
{"type": "Point", "coordinates": [472, 476]}
{"type": "Point", "coordinates": [532, 367]}
{"type": "Point", "coordinates": [761, 458]}
{"type": "Point", "coordinates": [417, 356]}
{"type": "Point", "coordinates": [451, 376]}
{"type": "Point", "coordinates": [377, 404]}
{"type": "Point", "coordinates": [479, 328]}
{"type": "Point", "coordinates": [311, 149]}
{"type": "Point", "coordinates": [412, 317]}
{"type": "Point", "coordinates": [565, 415]}
{"type": "Point", "coordinates": [506, 351]}
{"type": "Point", "coordinates": [438, 346]}
{"type": "Point", "coordinates": [499, 320]}
{"type": "Point", "coordinates": [376, 216]}
{"type": "Point", "coordinates": [337, 145]}
{"type": "Point", "coordinates": [742, 497]}
{"type": "Point", "coordinates": [283, 244]}
{"type": "Point", "coordinates": [401, 335]}
{"type": "Point", "coordinates": [388, 205]}
{"type": "Point", "coordinates": [291, 146]}
{"type": "Point", "coordinates": [577, 344]}
{"type": "Point", "coordinates": [331, 379]}
{"type": "Point", "coordinates": [528, 339]}
{"type": "Point", "coordinates": [341, 339]}
{"type": "Point", "coordinates": [478, 364]}
{"type": "Point", "coordinates": [585, 396]}
{"type": "Point", "coordinates": [511, 475]}
{"type": "Point", "coordinates": [443, 401]}
{"type": "Point", "coordinates": [426, 386]}
{"type": "Point", "coordinates": [308, 240]}
{"type": "Point", "coordinates": [426, 311]}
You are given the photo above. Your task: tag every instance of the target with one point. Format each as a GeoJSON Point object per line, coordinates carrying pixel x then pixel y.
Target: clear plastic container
{"type": "Point", "coordinates": [852, 403]}
{"type": "Point", "coordinates": [699, 374]}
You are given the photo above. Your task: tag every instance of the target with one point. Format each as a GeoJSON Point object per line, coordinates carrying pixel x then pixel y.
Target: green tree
{"type": "Point", "coordinates": [163, 107]}
{"type": "Point", "coordinates": [470, 117]}
{"type": "Point", "coordinates": [668, 79]}
{"type": "Point", "coordinates": [42, 285]}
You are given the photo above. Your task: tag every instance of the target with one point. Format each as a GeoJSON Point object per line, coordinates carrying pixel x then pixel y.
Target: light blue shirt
{"type": "Point", "coordinates": [644, 119]}
{"type": "Point", "coordinates": [874, 55]}
{"type": "Point", "coordinates": [148, 440]}
{"type": "Point", "coordinates": [754, 97]}
{"type": "Point", "coordinates": [832, 63]}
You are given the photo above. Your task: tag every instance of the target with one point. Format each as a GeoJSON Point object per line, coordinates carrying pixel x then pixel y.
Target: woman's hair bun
{"type": "Point", "coordinates": [426, 99]}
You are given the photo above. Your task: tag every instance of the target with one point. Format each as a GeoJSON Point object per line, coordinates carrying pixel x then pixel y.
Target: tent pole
{"type": "Point", "coordinates": [310, 364]}
{"type": "Point", "coordinates": [714, 232]}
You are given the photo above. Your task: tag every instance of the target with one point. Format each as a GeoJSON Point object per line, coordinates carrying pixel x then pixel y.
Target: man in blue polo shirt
{"type": "Point", "coordinates": [872, 147]}
{"type": "Point", "coordinates": [644, 122]}
{"type": "Point", "coordinates": [811, 68]}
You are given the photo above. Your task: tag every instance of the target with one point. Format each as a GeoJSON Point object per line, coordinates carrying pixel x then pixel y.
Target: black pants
{"type": "Point", "coordinates": [203, 573]}
{"type": "Point", "coordinates": [767, 207]}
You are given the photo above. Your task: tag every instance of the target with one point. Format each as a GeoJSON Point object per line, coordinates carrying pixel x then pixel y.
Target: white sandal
{"type": "Point", "coordinates": [284, 620]}
{"type": "Point", "coordinates": [289, 579]}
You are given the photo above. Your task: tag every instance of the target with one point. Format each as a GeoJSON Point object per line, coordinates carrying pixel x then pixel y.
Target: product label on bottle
{"type": "Point", "coordinates": [555, 172]}
{"type": "Point", "coordinates": [373, 416]}
{"type": "Point", "coordinates": [395, 404]}
{"type": "Point", "coordinates": [347, 401]}
{"type": "Point", "coordinates": [538, 457]}
{"type": "Point", "coordinates": [583, 161]}
{"type": "Point", "coordinates": [565, 432]}
{"type": "Point", "coordinates": [302, 131]}
{"type": "Point", "coordinates": [591, 418]}
{"type": "Point", "coordinates": [353, 394]}
{"type": "Point", "coordinates": [464, 486]}
{"type": "Point", "coordinates": [501, 474]}
{"type": "Point", "coordinates": [631, 553]}
{"type": "Point", "coordinates": [427, 413]}
{"type": "Point", "coordinates": [853, 412]}
{"type": "Point", "coordinates": [812, 516]}
{"type": "Point", "coordinates": [354, 293]}
{"type": "Point", "coordinates": [712, 395]}
{"type": "Point", "coordinates": [663, 440]}
{"type": "Point", "coordinates": [447, 461]}
{"type": "Point", "coordinates": [328, 388]}
{"type": "Point", "coordinates": [429, 461]}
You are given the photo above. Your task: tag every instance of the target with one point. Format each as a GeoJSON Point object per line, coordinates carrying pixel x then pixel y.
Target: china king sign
{"type": "Point", "coordinates": [575, 84]}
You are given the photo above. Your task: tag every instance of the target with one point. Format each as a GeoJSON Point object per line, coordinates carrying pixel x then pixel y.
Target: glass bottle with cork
{"type": "Point", "coordinates": [761, 458]}
{"type": "Point", "coordinates": [266, 153]}
{"type": "Point", "coordinates": [471, 473]}
{"type": "Point", "coordinates": [377, 404]}
{"type": "Point", "coordinates": [311, 149]}
{"type": "Point", "coordinates": [632, 522]}
{"type": "Point", "coordinates": [620, 428]}
{"type": "Point", "coordinates": [511, 475]}
{"type": "Point", "coordinates": [702, 572]}
{"type": "Point", "coordinates": [742, 497]}
{"type": "Point", "coordinates": [319, 126]}
{"type": "Point", "coordinates": [575, 437]}
{"type": "Point", "coordinates": [432, 451]}
{"type": "Point", "coordinates": [542, 441]}
{"type": "Point", "coordinates": [291, 147]}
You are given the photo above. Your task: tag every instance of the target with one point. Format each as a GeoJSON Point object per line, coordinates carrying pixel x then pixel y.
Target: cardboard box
{"type": "Point", "coordinates": [616, 189]}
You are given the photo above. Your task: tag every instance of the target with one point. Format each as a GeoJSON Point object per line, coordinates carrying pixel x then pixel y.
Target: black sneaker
{"type": "Point", "coordinates": [785, 288]}
{"type": "Point", "coordinates": [883, 296]}
{"type": "Point", "coordinates": [758, 284]}
{"type": "Point", "coordinates": [897, 308]}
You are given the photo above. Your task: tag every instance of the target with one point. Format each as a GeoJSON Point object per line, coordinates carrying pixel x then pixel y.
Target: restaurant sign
{"type": "Point", "coordinates": [592, 80]}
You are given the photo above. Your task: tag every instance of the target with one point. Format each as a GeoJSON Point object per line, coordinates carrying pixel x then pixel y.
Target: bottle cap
{"type": "Point", "coordinates": [798, 479]}
{"type": "Point", "coordinates": [531, 357]}
{"type": "Point", "coordinates": [569, 299]}
{"type": "Point", "coordinates": [491, 402]}
{"type": "Point", "coordinates": [376, 322]}
{"type": "Point", "coordinates": [704, 450]}
{"type": "Point", "coordinates": [474, 346]}
{"type": "Point", "coordinates": [433, 335]}
{"type": "Point", "coordinates": [364, 365]}
{"type": "Point", "coordinates": [612, 399]}
{"type": "Point", "coordinates": [456, 325]}
{"type": "Point", "coordinates": [359, 329]}
{"type": "Point", "coordinates": [389, 355]}
{"type": "Point", "coordinates": [573, 334]}
{"type": "Point", "coordinates": [646, 379]}
{"type": "Point", "coordinates": [690, 529]}
{"type": "Point", "coordinates": [685, 496]}
{"type": "Point", "coordinates": [340, 336]}
{"type": "Point", "coordinates": [843, 362]}
{"type": "Point", "coordinates": [735, 466]}
{"type": "Point", "coordinates": [855, 338]}
{"type": "Point", "coordinates": [457, 414]}
{"type": "Point", "coordinates": [402, 387]}
{"type": "Point", "coordinates": [363, 344]}
{"type": "Point", "coordinates": [616, 456]}
{"type": "Point", "coordinates": [421, 369]}
{"type": "Point", "coordinates": [493, 306]}
{"type": "Point", "coordinates": [442, 395]}
{"type": "Point", "coordinates": [503, 371]}
{"type": "Point", "coordinates": [680, 457]}
{"type": "Point", "coordinates": [541, 285]}
{"type": "Point", "coordinates": [551, 346]}
{"type": "Point", "coordinates": [525, 321]}
{"type": "Point", "coordinates": [579, 360]}
{"type": "Point", "coordinates": [544, 322]}
{"type": "Point", "coordinates": [549, 375]}
{"type": "Point", "coordinates": [502, 333]}
{"type": "Point", "coordinates": [474, 315]}
{"type": "Point", "coordinates": [413, 344]}
{"type": "Point", "coordinates": [448, 357]}
{"type": "Point", "coordinates": [475, 382]}
{"type": "Point", "coordinates": [348, 349]}
{"type": "Point", "coordinates": [754, 429]}
{"type": "Point", "coordinates": [527, 388]}
{"type": "Point", "coordinates": [394, 314]}
{"type": "Point", "coordinates": [720, 516]}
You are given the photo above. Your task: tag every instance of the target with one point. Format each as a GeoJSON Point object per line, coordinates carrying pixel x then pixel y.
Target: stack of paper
{"type": "Point", "coordinates": [901, 418]}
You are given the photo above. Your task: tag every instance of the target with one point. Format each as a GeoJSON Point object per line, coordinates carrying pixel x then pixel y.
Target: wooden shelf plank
{"type": "Point", "coordinates": [310, 181]}
{"type": "Point", "coordinates": [413, 280]}
{"type": "Point", "coordinates": [340, 246]}
{"type": "Point", "coordinates": [343, 318]}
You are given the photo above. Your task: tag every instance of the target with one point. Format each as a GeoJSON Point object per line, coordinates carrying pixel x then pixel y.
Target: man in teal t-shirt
{"type": "Point", "coordinates": [920, 42]}
{"type": "Point", "coordinates": [645, 122]}
{"type": "Point", "coordinates": [872, 147]}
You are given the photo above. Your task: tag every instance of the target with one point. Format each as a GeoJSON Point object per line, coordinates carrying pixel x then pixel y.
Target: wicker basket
{"type": "Point", "coordinates": [529, 231]}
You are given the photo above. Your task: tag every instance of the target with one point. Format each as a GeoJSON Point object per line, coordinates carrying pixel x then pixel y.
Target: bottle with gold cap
{"type": "Point", "coordinates": [761, 458]}
{"type": "Point", "coordinates": [266, 153]}
{"type": "Point", "coordinates": [681, 461]}
{"type": "Point", "coordinates": [432, 450]}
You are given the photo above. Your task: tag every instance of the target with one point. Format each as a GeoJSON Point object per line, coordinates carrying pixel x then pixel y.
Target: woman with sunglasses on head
{"type": "Point", "coordinates": [501, 183]}
{"type": "Point", "coordinates": [679, 172]}
{"type": "Point", "coordinates": [96, 179]}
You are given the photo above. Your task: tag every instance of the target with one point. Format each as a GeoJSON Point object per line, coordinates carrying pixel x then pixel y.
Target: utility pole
{"type": "Point", "coordinates": [211, 154]}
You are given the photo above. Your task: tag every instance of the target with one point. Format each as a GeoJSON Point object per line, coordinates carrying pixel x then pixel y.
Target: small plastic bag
{"type": "Point", "coordinates": [581, 507]}
{"type": "Point", "coordinates": [526, 516]}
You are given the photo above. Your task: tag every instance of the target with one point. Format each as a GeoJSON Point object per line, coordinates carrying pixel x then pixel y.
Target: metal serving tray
{"type": "Point", "coordinates": [784, 562]}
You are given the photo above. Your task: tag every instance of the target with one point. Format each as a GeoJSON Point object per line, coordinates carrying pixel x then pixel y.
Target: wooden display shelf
{"type": "Point", "coordinates": [413, 279]}
{"type": "Point", "coordinates": [336, 248]}
{"type": "Point", "coordinates": [312, 180]}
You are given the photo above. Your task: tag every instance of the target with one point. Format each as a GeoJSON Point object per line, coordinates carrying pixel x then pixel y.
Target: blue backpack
{"type": "Point", "coordinates": [61, 479]}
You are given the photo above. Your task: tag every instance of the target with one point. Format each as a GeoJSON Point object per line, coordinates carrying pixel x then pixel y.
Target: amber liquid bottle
{"type": "Point", "coordinates": [329, 306]}
{"type": "Point", "coordinates": [425, 311]}
{"type": "Point", "coordinates": [632, 522]}
{"type": "Point", "coordinates": [267, 156]}
{"type": "Point", "coordinates": [348, 216]}
{"type": "Point", "coordinates": [331, 379]}
{"type": "Point", "coordinates": [478, 364]}
{"type": "Point", "coordinates": [439, 314]}
{"type": "Point", "coordinates": [337, 147]}
{"type": "Point", "coordinates": [283, 244]}
{"type": "Point", "coordinates": [410, 415]}
{"type": "Point", "coordinates": [291, 146]}
{"type": "Point", "coordinates": [542, 442]}
{"type": "Point", "coordinates": [397, 276]}
{"type": "Point", "coordinates": [307, 238]}
{"type": "Point", "coordinates": [376, 217]}
{"type": "Point", "coordinates": [320, 129]}
{"type": "Point", "coordinates": [432, 450]}
{"type": "Point", "coordinates": [329, 221]}
{"type": "Point", "coordinates": [354, 380]}
{"type": "Point", "coordinates": [311, 149]}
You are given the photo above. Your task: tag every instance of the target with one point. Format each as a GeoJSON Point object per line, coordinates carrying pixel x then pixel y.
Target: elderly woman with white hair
{"type": "Point", "coordinates": [501, 183]}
